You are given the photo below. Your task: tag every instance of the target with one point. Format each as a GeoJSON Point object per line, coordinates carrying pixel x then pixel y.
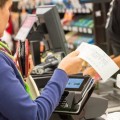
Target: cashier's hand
{"type": "Point", "coordinates": [91, 71]}
{"type": "Point", "coordinates": [71, 64]}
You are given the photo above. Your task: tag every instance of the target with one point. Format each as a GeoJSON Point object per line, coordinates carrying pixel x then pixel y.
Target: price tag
{"type": "Point", "coordinates": [80, 29]}
{"type": "Point", "coordinates": [85, 30]}
{"type": "Point", "coordinates": [65, 27]}
{"type": "Point", "coordinates": [75, 10]}
{"type": "Point", "coordinates": [75, 29]}
{"type": "Point", "coordinates": [69, 28]}
{"type": "Point", "coordinates": [83, 10]}
{"type": "Point", "coordinates": [79, 10]}
{"type": "Point", "coordinates": [87, 11]}
{"type": "Point", "coordinates": [89, 31]}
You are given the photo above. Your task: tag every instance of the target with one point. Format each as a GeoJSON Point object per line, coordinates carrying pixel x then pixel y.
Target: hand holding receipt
{"type": "Point", "coordinates": [98, 59]}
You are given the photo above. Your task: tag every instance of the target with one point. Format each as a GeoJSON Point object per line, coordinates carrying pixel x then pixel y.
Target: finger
{"type": "Point", "coordinates": [89, 71]}
{"type": "Point", "coordinates": [84, 63]}
{"type": "Point", "coordinates": [79, 60]}
{"type": "Point", "coordinates": [74, 53]}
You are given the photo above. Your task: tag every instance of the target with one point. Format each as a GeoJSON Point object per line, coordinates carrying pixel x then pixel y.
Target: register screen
{"type": "Point", "coordinates": [74, 83]}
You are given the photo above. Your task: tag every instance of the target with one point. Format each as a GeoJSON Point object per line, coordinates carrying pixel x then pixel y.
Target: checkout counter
{"type": "Point", "coordinates": [110, 92]}
{"type": "Point", "coordinates": [78, 101]}
{"type": "Point", "coordinates": [96, 104]}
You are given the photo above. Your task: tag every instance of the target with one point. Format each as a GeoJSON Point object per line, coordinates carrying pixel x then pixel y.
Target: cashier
{"type": "Point", "coordinates": [15, 100]}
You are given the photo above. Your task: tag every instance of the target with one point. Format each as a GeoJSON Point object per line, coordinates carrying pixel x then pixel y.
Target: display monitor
{"type": "Point", "coordinates": [44, 26]}
{"type": "Point", "coordinates": [48, 17]}
{"type": "Point", "coordinates": [94, 1]}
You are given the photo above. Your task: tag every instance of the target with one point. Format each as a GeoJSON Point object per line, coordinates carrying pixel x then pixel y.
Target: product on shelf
{"type": "Point", "coordinates": [75, 39]}
{"type": "Point", "coordinates": [82, 24]}
{"type": "Point", "coordinates": [87, 39]}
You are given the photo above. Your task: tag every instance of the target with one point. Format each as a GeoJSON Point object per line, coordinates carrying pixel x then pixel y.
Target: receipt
{"type": "Point", "coordinates": [98, 59]}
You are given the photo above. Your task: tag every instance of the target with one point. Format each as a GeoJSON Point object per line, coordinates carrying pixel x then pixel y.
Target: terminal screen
{"type": "Point", "coordinates": [74, 83]}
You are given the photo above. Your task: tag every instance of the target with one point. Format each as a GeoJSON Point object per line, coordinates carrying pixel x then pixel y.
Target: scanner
{"type": "Point", "coordinates": [70, 103]}
{"type": "Point", "coordinates": [50, 64]}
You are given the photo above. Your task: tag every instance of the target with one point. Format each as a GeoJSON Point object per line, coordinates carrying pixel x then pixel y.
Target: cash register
{"type": "Point", "coordinates": [78, 101]}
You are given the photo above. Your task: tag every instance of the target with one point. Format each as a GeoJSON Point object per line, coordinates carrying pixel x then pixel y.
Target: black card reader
{"type": "Point", "coordinates": [70, 103]}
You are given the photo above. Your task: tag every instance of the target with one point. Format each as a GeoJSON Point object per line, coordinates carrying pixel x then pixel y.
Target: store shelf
{"type": "Point", "coordinates": [78, 29]}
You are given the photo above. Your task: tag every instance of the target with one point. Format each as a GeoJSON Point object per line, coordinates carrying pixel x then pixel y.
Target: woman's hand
{"type": "Point", "coordinates": [71, 64]}
{"type": "Point", "coordinates": [91, 71]}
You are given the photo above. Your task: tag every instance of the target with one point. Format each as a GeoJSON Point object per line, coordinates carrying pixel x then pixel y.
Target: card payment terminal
{"type": "Point", "coordinates": [70, 103]}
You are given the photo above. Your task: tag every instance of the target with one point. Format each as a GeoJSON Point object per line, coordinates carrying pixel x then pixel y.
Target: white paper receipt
{"type": "Point", "coordinates": [98, 59]}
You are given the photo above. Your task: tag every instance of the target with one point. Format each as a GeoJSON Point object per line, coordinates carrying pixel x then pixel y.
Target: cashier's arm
{"type": "Point", "coordinates": [16, 104]}
{"type": "Point", "coordinates": [117, 61]}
